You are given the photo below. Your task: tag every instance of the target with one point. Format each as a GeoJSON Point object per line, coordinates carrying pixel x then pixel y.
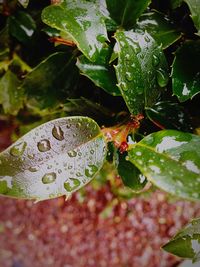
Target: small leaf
{"type": "Point", "coordinates": [186, 243]}
{"type": "Point", "coordinates": [22, 26]}
{"type": "Point", "coordinates": [186, 71]}
{"type": "Point", "coordinates": [100, 72]}
{"type": "Point", "coordinates": [11, 97]}
{"type": "Point", "coordinates": [83, 21]}
{"type": "Point", "coordinates": [194, 6]}
{"type": "Point", "coordinates": [169, 115]}
{"type": "Point", "coordinates": [159, 27]}
{"type": "Point", "coordinates": [50, 81]}
{"type": "Point", "coordinates": [171, 160]}
{"type": "Point", "coordinates": [24, 3]}
{"type": "Point", "coordinates": [54, 159]}
{"type": "Point", "coordinates": [141, 69]}
{"type": "Point", "coordinates": [126, 12]}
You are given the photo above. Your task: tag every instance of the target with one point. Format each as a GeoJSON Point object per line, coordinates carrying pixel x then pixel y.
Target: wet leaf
{"type": "Point", "coordinates": [160, 28]}
{"type": "Point", "coordinates": [171, 160]}
{"type": "Point", "coordinates": [54, 159]}
{"type": "Point", "coordinates": [169, 115]}
{"type": "Point", "coordinates": [83, 21]}
{"type": "Point", "coordinates": [24, 3]}
{"type": "Point", "coordinates": [126, 12]}
{"type": "Point", "coordinates": [186, 71]}
{"type": "Point", "coordinates": [186, 243]}
{"type": "Point", "coordinates": [141, 69]}
{"type": "Point", "coordinates": [11, 97]}
{"type": "Point", "coordinates": [50, 81]}
{"type": "Point", "coordinates": [194, 6]}
{"type": "Point", "coordinates": [100, 72]}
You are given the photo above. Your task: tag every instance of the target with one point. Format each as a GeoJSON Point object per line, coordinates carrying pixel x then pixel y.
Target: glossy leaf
{"type": "Point", "coordinates": [126, 12]}
{"type": "Point", "coordinates": [186, 243]}
{"type": "Point", "coordinates": [141, 69]}
{"type": "Point", "coordinates": [50, 81]}
{"type": "Point", "coordinates": [83, 21]}
{"type": "Point", "coordinates": [169, 115]}
{"type": "Point", "coordinates": [55, 159]}
{"type": "Point", "coordinates": [160, 28]}
{"type": "Point", "coordinates": [171, 160]}
{"type": "Point", "coordinates": [100, 72]}
{"type": "Point", "coordinates": [186, 71]}
{"type": "Point", "coordinates": [129, 174]}
{"type": "Point", "coordinates": [24, 3]}
{"type": "Point", "coordinates": [194, 6]}
{"type": "Point", "coordinates": [11, 97]}
{"type": "Point", "coordinates": [22, 26]}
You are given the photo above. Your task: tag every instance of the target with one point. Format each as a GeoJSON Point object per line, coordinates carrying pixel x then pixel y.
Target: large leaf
{"type": "Point", "coordinates": [186, 71]}
{"type": "Point", "coordinates": [194, 6]}
{"type": "Point", "coordinates": [160, 28]}
{"type": "Point", "coordinates": [83, 21]}
{"type": "Point", "coordinates": [50, 81]}
{"type": "Point", "coordinates": [55, 159]}
{"type": "Point", "coordinates": [171, 160]}
{"type": "Point", "coordinates": [11, 97]}
{"type": "Point", "coordinates": [126, 12]}
{"type": "Point", "coordinates": [141, 69]}
{"type": "Point", "coordinates": [100, 72]}
{"type": "Point", "coordinates": [186, 243]}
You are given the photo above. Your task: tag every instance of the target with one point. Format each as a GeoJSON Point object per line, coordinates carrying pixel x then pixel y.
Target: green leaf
{"type": "Point", "coordinates": [186, 71]}
{"type": "Point", "coordinates": [24, 3]}
{"type": "Point", "coordinates": [54, 159]}
{"type": "Point", "coordinates": [176, 3]}
{"type": "Point", "coordinates": [126, 12]}
{"type": "Point", "coordinates": [11, 97]}
{"type": "Point", "coordinates": [186, 243]}
{"type": "Point", "coordinates": [50, 81]}
{"type": "Point", "coordinates": [171, 160]}
{"type": "Point", "coordinates": [160, 28]}
{"type": "Point", "coordinates": [194, 6]}
{"type": "Point", "coordinates": [100, 72]}
{"type": "Point", "coordinates": [22, 26]}
{"type": "Point", "coordinates": [141, 69]}
{"type": "Point", "coordinates": [169, 115]}
{"type": "Point", "coordinates": [129, 174]}
{"type": "Point", "coordinates": [83, 21]}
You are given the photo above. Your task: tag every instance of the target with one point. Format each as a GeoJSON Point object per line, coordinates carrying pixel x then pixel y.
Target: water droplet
{"type": "Point", "coordinates": [78, 125]}
{"type": "Point", "coordinates": [92, 151]}
{"type": "Point", "coordinates": [146, 38]}
{"type": "Point", "coordinates": [123, 86]}
{"type": "Point", "coordinates": [91, 170]}
{"type": "Point", "coordinates": [78, 174]}
{"type": "Point", "coordinates": [44, 145]}
{"type": "Point", "coordinates": [71, 184]}
{"type": "Point", "coordinates": [18, 150]}
{"type": "Point", "coordinates": [58, 133]}
{"type": "Point", "coordinates": [162, 77]}
{"type": "Point", "coordinates": [72, 153]}
{"type": "Point", "coordinates": [79, 153]}
{"type": "Point", "coordinates": [33, 169]}
{"type": "Point", "coordinates": [49, 178]}
{"type": "Point", "coordinates": [156, 61]}
{"type": "Point", "coordinates": [68, 126]}
{"type": "Point", "coordinates": [129, 76]}
{"type": "Point", "coordinates": [59, 171]}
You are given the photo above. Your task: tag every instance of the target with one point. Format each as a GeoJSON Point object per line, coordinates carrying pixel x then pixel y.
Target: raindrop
{"type": "Point", "coordinates": [71, 184]}
{"type": "Point", "coordinates": [58, 133]}
{"type": "Point", "coordinates": [129, 76]}
{"type": "Point", "coordinates": [44, 145]}
{"type": "Point", "coordinates": [146, 38]}
{"type": "Point", "coordinates": [91, 170]}
{"type": "Point", "coordinates": [18, 150]}
{"type": "Point", "coordinates": [162, 77]}
{"type": "Point", "coordinates": [123, 86]}
{"type": "Point", "coordinates": [92, 151]}
{"type": "Point", "coordinates": [78, 125]}
{"type": "Point", "coordinates": [33, 169]}
{"type": "Point", "coordinates": [72, 153]}
{"type": "Point", "coordinates": [49, 178]}
{"type": "Point", "coordinates": [68, 126]}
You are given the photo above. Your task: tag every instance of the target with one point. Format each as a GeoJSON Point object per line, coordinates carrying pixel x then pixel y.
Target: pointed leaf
{"type": "Point", "coordinates": [24, 3]}
{"type": "Point", "coordinates": [126, 12]}
{"type": "Point", "coordinates": [186, 71]}
{"type": "Point", "coordinates": [54, 159]}
{"type": "Point", "coordinates": [83, 21]}
{"type": "Point", "coordinates": [100, 72]}
{"type": "Point", "coordinates": [141, 69]}
{"type": "Point", "coordinates": [171, 160]}
{"type": "Point", "coordinates": [194, 6]}
{"type": "Point", "coordinates": [186, 243]}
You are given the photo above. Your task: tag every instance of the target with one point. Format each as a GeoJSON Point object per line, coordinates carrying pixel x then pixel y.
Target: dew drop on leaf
{"type": "Point", "coordinates": [18, 149]}
{"type": "Point", "coordinates": [156, 61]}
{"type": "Point", "coordinates": [71, 184]}
{"type": "Point", "coordinates": [49, 178]}
{"type": "Point", "coordinates": [72, 153]}
{"type": "Point", "coordinates": [162, 77]}
{"type": "Point", "coordinates": [33, 169]}
{"type": "Point", "coordinates": [44, 145]}
{"type": "Point", "coordinates": [58, 133]}
{"type": "Point", "coordinates": [90, 170]}
{"type": "Point", "coordinates": [129, 76]}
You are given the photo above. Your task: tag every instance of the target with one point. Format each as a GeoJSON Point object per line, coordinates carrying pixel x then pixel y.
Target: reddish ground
{"type": "Point", "coordinates": [56, 233]}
